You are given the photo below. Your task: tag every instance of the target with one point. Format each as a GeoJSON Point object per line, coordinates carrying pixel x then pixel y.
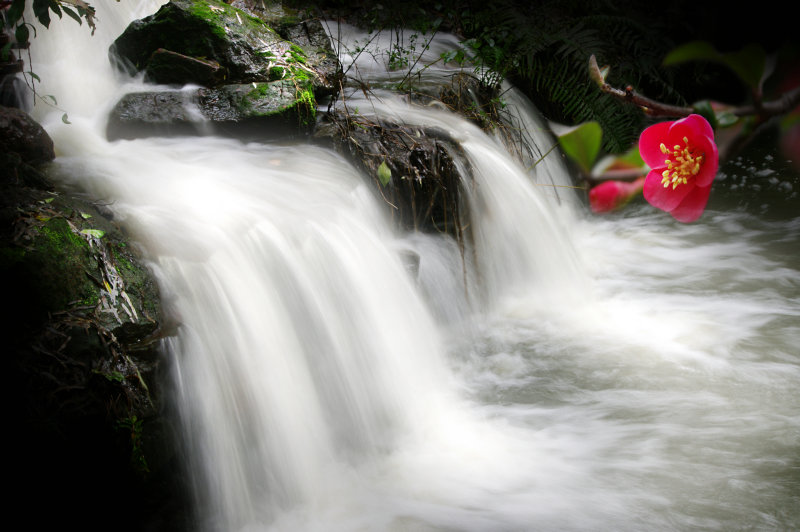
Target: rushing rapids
{"type": "Point", "coordinates": [624, 373]}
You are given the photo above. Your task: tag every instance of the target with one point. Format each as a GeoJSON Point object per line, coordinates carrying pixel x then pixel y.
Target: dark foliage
{"type": "Point", "coordinates": [543, 47]}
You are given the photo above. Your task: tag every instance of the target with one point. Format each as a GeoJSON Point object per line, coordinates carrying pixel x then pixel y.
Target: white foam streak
{"type": "Point", "coordinates": [622, 374]}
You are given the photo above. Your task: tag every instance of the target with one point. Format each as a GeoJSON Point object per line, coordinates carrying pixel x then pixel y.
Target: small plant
{"type": "Point", "coordinates": [134, 425]}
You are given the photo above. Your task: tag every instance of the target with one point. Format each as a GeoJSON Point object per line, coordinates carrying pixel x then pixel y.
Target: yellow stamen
{"type": "Point", "coordinates": [682, 164]}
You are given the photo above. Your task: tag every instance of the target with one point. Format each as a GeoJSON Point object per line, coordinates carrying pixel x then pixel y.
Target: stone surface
{"type": "Point", "coordinates": [255, 82]}
{"type": "Point", "coordinates": [204, 29]}
{"type": "Point", "coordinates": [168, 67]}
{"type": "Point", "coordinates": [20, 134]}
{"type": "Point", "coordinates": [257, 111]}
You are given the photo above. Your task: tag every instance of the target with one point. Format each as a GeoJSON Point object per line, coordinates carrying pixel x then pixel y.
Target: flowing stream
{"type": "Point", "coordinates": [601, 373]}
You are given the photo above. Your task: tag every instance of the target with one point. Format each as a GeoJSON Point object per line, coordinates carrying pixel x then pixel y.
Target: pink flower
{"type": "Point", "coordinates": [611, 195]}
{"type": "Point", "coordinates": [683, 159]}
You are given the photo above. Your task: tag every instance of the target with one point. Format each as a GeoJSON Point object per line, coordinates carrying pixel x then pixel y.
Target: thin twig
{"type": "Point", "coordinates": [764, 110]}
{"type": "Point", "coordinates": [649, 106]}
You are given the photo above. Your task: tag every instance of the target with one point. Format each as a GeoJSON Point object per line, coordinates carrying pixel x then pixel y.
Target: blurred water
{"type": "Point", "coordinates": [616, 373]}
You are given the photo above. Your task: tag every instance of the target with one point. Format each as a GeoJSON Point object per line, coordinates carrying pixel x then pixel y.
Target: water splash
{"type": "Point", "coordinates": [625, 374]}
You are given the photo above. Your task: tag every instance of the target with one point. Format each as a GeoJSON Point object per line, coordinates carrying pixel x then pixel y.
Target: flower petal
{"type": "Point", "coordinates": [692, 207]}
{"type": "Point", "coordinates": [661, 197]}
{"type": "Point", "coordinates": [650, 144]}
{"type": "Point", "coordinates": [605, 197]}
{"type": "Point", "coordinates": [708, 170]}
{"type": "Point", "coordinates": [698, 125]}
{"type": "Point", "coordinates": [698, 131]}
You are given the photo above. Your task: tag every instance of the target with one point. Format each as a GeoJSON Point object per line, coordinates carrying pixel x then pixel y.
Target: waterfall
{"type": "Point", "coordinates": [624, 373]}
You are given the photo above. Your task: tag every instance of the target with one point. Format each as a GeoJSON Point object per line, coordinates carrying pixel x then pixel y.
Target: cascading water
{"type": "Point", "coordinates": [626, 373]}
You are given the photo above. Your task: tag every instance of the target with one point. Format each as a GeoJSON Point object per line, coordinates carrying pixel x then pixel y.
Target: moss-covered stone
{"type": "Point", "coordinates": [203, 29]}
{"type": "Point", "coordinates": [285, 107]}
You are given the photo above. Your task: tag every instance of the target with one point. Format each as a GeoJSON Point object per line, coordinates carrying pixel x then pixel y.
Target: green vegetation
{"type": "Point", "coordinates": [135, 427]}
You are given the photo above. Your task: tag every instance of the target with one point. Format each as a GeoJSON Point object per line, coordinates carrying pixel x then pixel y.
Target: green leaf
{"type": "Point", "coordinates": [22, 33]}
{"type": "Point", "coordinates": [72, 14]}
{"type": "Point", "coordinates": [34, 76]}
{"type": "Point", "coordinates": [384, 174]}
{"type": "Point", "coordinates": [726, 119]}
{"type": "Point", "coordinates": [65, 119]}
{"type": "Point", "coordinates": [97, 233]}
{"type": "Point", "coordinates": [14, 12]}
{"type": "Point", "coordinates": [55, 7]}
{"type": "Point", "coordinates": [748, 63]}
{"type": "Point", "coordinates": [704, 109]}
{"type": "Point", "coordinates": [582, 143]}
{"type": "Point", "coordinates": [85, 215]}
{"type": "Point", "coordinates": [5, 52]}
{"type": "Point", "coordinates": [631, 159]}
{"type": "Point", "coordinates": [41, 10]}
{"type": "Point", "coordinates": [692, 51]}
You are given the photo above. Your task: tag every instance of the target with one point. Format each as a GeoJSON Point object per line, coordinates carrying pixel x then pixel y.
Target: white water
{"type": "Point", "coordinates": [621, 373]}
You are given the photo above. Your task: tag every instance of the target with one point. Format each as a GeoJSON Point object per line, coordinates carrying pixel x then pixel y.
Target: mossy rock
{"type": "Point", "coordinates": [413, 168]}
{"type": "Point", "coordinates": [284, 108]}
{"type": "Point", "coordinates": [207, 30]}
{"type": "Point", "coordinates": [307, 33]}
{"type": "Point", "coordinates": [283, 100]}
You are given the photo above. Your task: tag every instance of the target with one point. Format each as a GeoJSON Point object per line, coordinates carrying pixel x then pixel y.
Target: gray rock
{"type": "Point", "coordinates": [260, 111]}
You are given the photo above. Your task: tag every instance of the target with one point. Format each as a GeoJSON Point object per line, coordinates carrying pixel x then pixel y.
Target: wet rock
{"type": "Point", "coordinates": [205, 29]}
{"type": "Point", "coordinates": [254, 82]}
{"type": "Point", "coordinates": [244, 46]}
{"type": "Point", "coordinates": [414, 169]}
{"type": "Point", "coordinates": [258, 111]}
{"type": "Point", "coordinates": [307, 32]}
{"type": "Point", "coordinates": [171, 68]}
{"type": "Point", "coordinates": [20, 134]}
{"type": "Point", "coordinates": [147, 114]}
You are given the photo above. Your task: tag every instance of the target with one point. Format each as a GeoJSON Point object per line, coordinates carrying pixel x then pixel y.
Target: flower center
{"type": "Point", "coordinates": [682, 162]}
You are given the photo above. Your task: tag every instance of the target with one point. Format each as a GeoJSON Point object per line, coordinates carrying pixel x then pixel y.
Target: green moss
{"type": "Point", "coordinates": [51, 270]}
{"type": "Point", "coordinates": [297, 54]}
{"type": "Point", "coordinates": [58, 236]}
{"type": "Point", "coordinates": [276, 73]}
{"type": "Point", "coordinates": [202, 10]}
{"type": "Point", "coordinates": [124, 263]}
{"type": "Point", "coordinates": [218, 13]}
{"type": "Point", "coordinates": [91, 300]}
{"type": "Point", "coordinates": [306, 106]}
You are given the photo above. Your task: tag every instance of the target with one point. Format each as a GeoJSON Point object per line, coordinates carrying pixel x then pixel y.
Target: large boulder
{"type": "Point", "coordinates": [203, 29]}
{"type": "Point", "coordinates": [253, 81]}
